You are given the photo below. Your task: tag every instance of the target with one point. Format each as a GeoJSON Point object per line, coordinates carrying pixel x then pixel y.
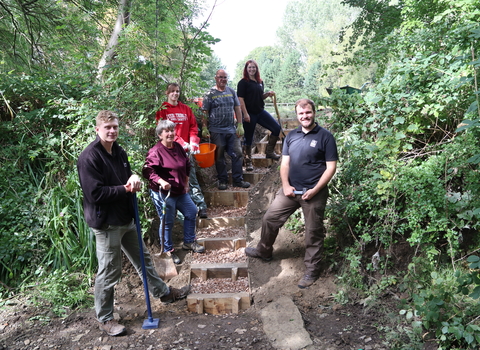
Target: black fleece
{"type": "Point", "coordinates": [102, 177]}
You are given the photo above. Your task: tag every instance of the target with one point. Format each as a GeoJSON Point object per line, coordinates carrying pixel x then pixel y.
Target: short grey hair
{"type": "Point", "coordinates": [164, 124]}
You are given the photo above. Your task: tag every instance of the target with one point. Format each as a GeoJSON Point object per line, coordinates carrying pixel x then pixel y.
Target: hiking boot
{"type": "Point", "coordinates": [202, 213]}
{"type": "Point", "coordinates": [242, 184]}
{"type": "Point", "coordinates": [222, 186]}
{"type": "Point", "coordinates": [306, 281]}
{"type": "Point", "coordinates": [197, 248]}
{"type": "Point", "coordinates": [247, 159]}
{"type": "Point", "coordinates": [175, 258]}
{"type": "Point", "coordinates": [254, 253]}
{"type": "Point", "coordinates": [269, 150]}
{"type": "Point", "coordinates": [175, 294]}
{"type": "Point", "coordinates": [112, 328]}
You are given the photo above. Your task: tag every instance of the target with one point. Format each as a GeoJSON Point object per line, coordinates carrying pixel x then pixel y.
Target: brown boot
{"type": "Point", "coordinates": [270, 150]}
{"type": "Point", "coordinates": [175, 294]}
{"type": "Point", "coordinates": [247, 150]}
{"type": "Point", "coordinates": [112, 328]}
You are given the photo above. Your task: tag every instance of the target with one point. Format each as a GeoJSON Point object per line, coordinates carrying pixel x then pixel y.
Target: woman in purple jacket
{"type": "Point", "coordinates": [167, 168]}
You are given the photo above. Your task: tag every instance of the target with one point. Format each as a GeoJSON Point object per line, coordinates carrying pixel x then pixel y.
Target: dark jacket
{"type": "Point", "coordinates": [170, 164]}
{"type": "Point", "coordinates": [102, 177]}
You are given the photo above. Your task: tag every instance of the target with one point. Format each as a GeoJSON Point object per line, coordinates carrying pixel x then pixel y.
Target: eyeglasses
{"type": "Point", "coordinates": [222, 77]}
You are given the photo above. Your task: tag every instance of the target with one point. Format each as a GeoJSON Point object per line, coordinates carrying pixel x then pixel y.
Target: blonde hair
{"type": "Point", "coordinates": [106, 116]}
{"type": "Point", "coordinates": [303, 102]}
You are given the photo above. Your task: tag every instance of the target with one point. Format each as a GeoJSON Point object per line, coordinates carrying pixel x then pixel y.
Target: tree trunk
{"type": "Point", "coordinates": [123, 18]}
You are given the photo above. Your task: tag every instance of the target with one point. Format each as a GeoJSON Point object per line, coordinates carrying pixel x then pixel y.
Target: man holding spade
{"type": "Point", "coordinates": [108, 186]}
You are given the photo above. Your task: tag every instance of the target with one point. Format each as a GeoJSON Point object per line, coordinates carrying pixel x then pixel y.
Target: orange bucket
{"type": "Point", "coordinates": [206, 157]}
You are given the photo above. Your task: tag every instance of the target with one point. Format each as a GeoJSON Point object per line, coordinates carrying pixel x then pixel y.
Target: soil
{"type": "Point", "coordinates": [331, 326]}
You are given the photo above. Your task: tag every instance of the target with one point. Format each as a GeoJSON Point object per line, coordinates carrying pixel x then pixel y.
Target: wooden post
{"type": "Point", "coordinates": [199, 306]}
{"type": "Point", "coordinates": [234, 274]}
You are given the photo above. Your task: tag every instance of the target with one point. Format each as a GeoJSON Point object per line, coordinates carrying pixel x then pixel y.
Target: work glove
{"type": "Point", "coordinates": [205, 132]}
{"type": "Point", "coordinates": [194, 148]}
{"type": "Point", "coordinates": [240, 131]}
{"type": "Point", "coordinates": [187, 147]}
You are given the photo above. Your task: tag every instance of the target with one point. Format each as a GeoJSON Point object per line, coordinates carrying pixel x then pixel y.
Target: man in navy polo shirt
{"type": "Point", "coordinates": [309, 161]}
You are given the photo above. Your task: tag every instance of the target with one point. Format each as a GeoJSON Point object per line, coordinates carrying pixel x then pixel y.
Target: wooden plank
{"type": "Point", "coordinates": [239, 243]}
{"type": "Point", "coordinates": [253, 178]}
{"type": "Point", "coordinates": [235, 274]}
{"type": "Point", "coordinates": [236, 305]}
{"type": "Point", "coordinates": [261, 146]}
{"type": "Point", "coordinates": [204, 274]}
{"type": "Point", "coordinates": [228, 197]}
{"type": "Point", "coordinates": [219, 303]}
{"type": "Point", "coordinates": [195, 305]}
{"type": "Point", "coordinates": [262, 162]}
{"type": "Point", "coordinates": [233, 243]}
{"type": "Point", "coordinates": [221, 222]}
{"type": "Point", "coordinates": [199, 306]}
{"type": "Point", "coordinates": [206, 271]}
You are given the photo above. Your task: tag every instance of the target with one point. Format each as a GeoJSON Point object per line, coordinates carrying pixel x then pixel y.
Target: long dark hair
{"type": "Point", "coordinates": [257, 73]}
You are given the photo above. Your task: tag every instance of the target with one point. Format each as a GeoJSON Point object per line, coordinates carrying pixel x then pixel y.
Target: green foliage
{"type": "Point", "coordinates": [449, 316]}
{"type": "Point", "coordinates": [370, 31]}
{"type": "Point", "coordinates": [347, 109]}
{"type": "Point", "coordinates": [296, 222]}
{"type": "Point", "coordinates": [62, 292]}
{"type": "Point", "coordinates": [209, 69]}
{"type": "Point", "coordinates": [47, 34]}
{"type": "Point", "coordinates": [310, 31]}
{"type": "Point", "coordinates": [473, 277]}
{"type": "Point", "coordinates": [408, 173]}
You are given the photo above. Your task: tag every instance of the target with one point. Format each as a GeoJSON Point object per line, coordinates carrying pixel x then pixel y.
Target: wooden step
{"type": "Point", "coordinates": [227, 197]}
{"type": "Point", "coordinates": [219, 222]}
{"type": "Point", "coordinates": [233, 243]}
{"type": "Point", "coordinates": [206, 271]}
{"type": "Point", "coordinates": [259, 161]}
{"type": "Point", "coordinates": [253, 178]}
{"type": "Point", "coordinates": [218, 303]}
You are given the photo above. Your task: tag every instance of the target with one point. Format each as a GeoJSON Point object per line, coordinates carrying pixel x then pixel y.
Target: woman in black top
{"type": "Point", "coordinates": [251, 95]}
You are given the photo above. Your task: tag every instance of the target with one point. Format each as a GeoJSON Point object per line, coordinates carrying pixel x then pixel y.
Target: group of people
{"type": "Point", "coordinates": [231, 115]}
{"type": "Point", "coordinates": [309, 159]}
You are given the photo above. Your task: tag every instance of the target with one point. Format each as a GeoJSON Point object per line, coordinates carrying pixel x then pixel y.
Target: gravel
{"type": "Point", "coordinates": [219, 285]}
{"type": "Point", "coordinates": [220, 256]}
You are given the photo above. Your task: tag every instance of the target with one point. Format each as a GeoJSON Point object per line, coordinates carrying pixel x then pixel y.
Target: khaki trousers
{"type": "Point", "coordinates": [313, 211]}
{"type": "Point", "coordinates": [110, 243]}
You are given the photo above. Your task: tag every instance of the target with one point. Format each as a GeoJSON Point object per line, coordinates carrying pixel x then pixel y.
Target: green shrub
{"type": "Point", "coordinates": [62, 291]}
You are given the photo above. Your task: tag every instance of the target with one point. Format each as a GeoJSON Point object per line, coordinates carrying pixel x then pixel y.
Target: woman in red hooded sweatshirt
{"type": "Point", "coordinates": [186, 131]}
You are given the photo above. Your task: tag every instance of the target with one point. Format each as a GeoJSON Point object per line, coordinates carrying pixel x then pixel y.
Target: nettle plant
{"type": "Point", "coordinates": [445, 308]}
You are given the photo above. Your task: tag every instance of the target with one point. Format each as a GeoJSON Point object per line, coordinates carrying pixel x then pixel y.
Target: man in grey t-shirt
{"type": "Point", "coordinates": [220, 106]}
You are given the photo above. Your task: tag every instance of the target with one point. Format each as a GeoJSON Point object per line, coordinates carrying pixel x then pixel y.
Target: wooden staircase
{"type": "Point", "coordinates": [229, 302]}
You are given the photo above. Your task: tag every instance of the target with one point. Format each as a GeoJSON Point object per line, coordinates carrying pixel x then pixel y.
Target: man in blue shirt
{"type": "Point", "coordinates": [309, 161]}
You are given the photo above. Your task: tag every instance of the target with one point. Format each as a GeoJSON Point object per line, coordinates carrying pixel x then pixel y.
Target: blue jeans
{"type": "Point", "coordinates": [264, 119]}
{"type": "Point", "coordinates": [185, 205]}
{"type": "Point", "coordinates": [229, 143]}
{"type": "Point", "coordinates": [110, 242]}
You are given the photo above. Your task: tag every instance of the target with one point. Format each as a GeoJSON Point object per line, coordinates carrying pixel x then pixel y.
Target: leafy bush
{"type": "Point", "coordinates": [296, 222]}
{"type": "Point", "coordinates": [447, 316]}
{"type": "Point", "coordinates": [41, 208]}
{"type": "Point", "coordinates": [62, 291]}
